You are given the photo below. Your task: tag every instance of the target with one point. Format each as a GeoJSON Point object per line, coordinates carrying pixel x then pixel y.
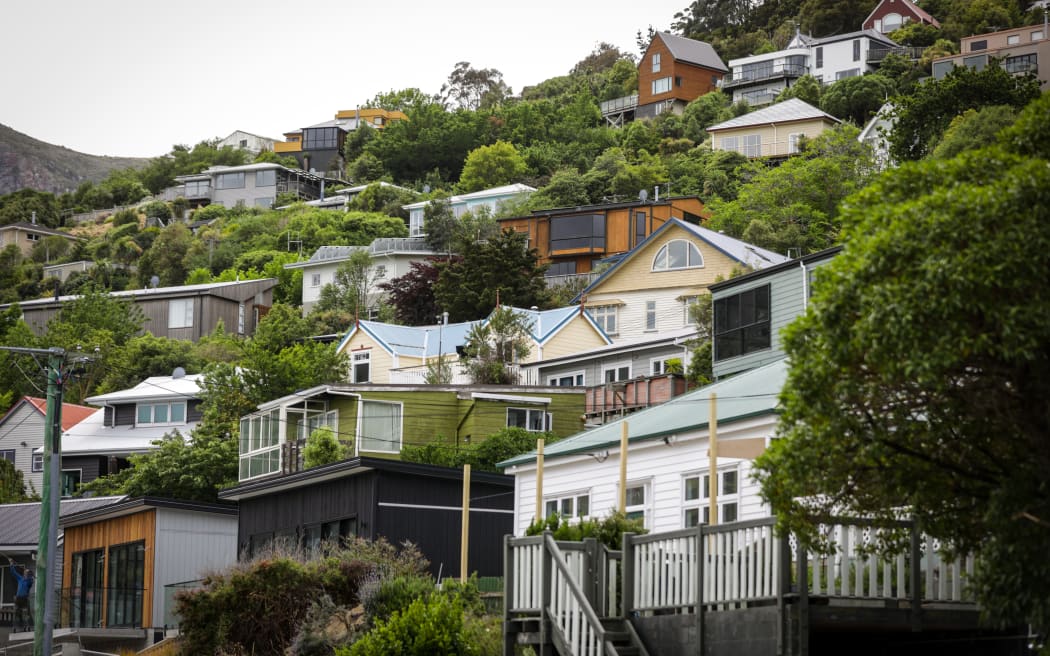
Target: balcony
{"type": "Point", "coordinates": [617, 105]}
{"type": "Point", "coordinates": [398, 244]}
{"type": "Point", "coordinates": [576, 280]}
{"type": "Point", "coordinates": [763, 74]}
{"type": "Point", "coordinates": [876, 55]}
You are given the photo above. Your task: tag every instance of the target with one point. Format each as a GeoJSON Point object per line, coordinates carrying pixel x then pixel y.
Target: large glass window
{"type": "Point", "coordinates": [320, 138]}
{"type": "Point", "coordinates": [662, 85]}
{"type": "Point", "coordinates": [532, 420]}
{"type": "Point", "coordinates": [70, 482]}
{"type": "Point", "coordinates": [230, 180]}
{"type": "Point", "coordinates": [742, 323]}
{"type": "Point", "coordinates": [977, 62]}
{"type": "Point", "coordinates": [127, 564]}
{"type": "Point", "coordinates": [1021, 63]}
{"type": "Point", "coordinates": [561, 269]}
{"type": "Point", "coordinates": [730, 143]}
{"type": "Point", "coordinates": [605, 317]}
{"type": "Point", "coordinates": [856, 49]}
{"type": "Point", "coordinates": [576, 504]}
{"type": "Point", "coordinates": [567, 380]}
{"type": "Point", "coordinates": [677, 254]}
{"type": "Point", "coordinates": [197, 188]}
{"type": "Point", "coordinates": [890, 22]}
{"type": "Point", "coordinates": [584, 231]}
{"type": "Point", "coordinates": [180, 313]}
{"type": "Point", "coordinates": [87, 588]}
{"type": "Point", "coordinates": [266, 178]}
{"type": "Point", "coordinates": [164, 412]}
{"type": "Point", "coordinates": [259, 448]}
{"type": "Point", "coordinates": [380, 427]}
{"type": "Point", "coordinates": [752, 145]}
{"type": "Point", "coordinates": [616, 373]}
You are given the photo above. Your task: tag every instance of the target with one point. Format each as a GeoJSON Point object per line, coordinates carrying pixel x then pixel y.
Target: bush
{"type": "Point", "coordinates": [431, 625]}
{"type": "Point", "coordinates": [609, 531]}
{"type": "Point", "coordinates": [393, 595]}
{"type": "Point", "coordinates": [322, 448]}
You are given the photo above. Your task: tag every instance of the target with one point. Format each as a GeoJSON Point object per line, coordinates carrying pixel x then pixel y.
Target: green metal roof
{"type": "Point", "coordinates": [749, 394]}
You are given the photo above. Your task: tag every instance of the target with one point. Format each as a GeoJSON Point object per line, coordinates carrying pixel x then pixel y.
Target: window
{"type": "Point", "coordinates": [752, 145]}
{"type": "Point", "coordinates": [259, 449]}
{"type": "Point", "coordinates": [127, 565]}
{"type": "Point", "coordinates": [180, 313]}
{"type": "Point", "coordinates": [1021, 63]}
{"type": "Point", "coordinates": [678, 80]}
{"type": "Point", "coordinates": [380, 271]}
{"type": "Point", "coordinates": [687, 302]}
{"type": "Point", "coordinates": [660, 366]}
{"type": "Point", "coordinates": [87, 586]}
{"type": "Point", "coordinates": [320, 138]}
{"type": "Point", "coordinates": [650, 315]}
{"type": "Point", "coordinates": [197, 188]}
{"type": "Point", "coordinates": [741, 323]}
{"type": "Point", "coordinates": [9, 455]}
{"type": "Point", "coordinates": [978, 45]}
{"type": "Point", "coordinates": [842, 75]}
{"type": "Point", "coordinates": [976, 63]}
{"type": "Point", "coordinates": [662, 85]}
{"type": "Point", "coordinates": [890, 22]}
{"type": "Point", "coordinates": [697, 493]}
{"type": "Point", "coordinates": [856, 49]}
{"type": "Point", "coordinates": [240, 318]}
{"type": "Point", "coordinates": [264, 203]}
{"type": "Point", "coordinates": [677, 254]}
{"type": "Point", "coordinates": [362, 367]}
{"type": "Point", "coordinates": [1013, 39]}
{"type": "Point", "coordinates": [605, 317]}
{"type": "Point", "coordinates": [311, 421]}
{"type": "Point", "coordinates": [584, 231]}
{"type": "Point", "coordinates": [730, 143]}
{"type": "Point", "coordinates": [820, 57]}
{"type": "Point", "coordinates": [639, 227]}
{"type": "Point", "coordinates": [1037, 35]}
{"type": "Point", "coordinates": [942, 68]}
{"type": "Point", "coordinates": [534, 421]}
{"type": "Point", "coordinates": [567, 380]}
{"type": "Point", "coordinates": [656, 63]}
{"type": "Point", "coordinates": [616, 373]}
{"type": "Point", "coordinates": [794, 142]}
{"type": "Point", "coordinates": [636, 501]}
{"type": "Point", "coordinates": [229, 180]}
{"type": "Point", "coordinates": [315, 280]}
{"type": "Point", "coordinates": [561, 269]}
{"type": "Point", "coordinates": [38, 462]}
{"type": "Point", "coordinates": [70, 482]}
{"type": "Point", "coordinates": [266, 178]}
{"type": "Point", "coordinates": [571, 505]}
{"type": "Point", "coordinates": [380, 427]}
{"type": "Point", "coordinates": [164, 412]}
{"type": "Point", "coordinates": [244, 143]}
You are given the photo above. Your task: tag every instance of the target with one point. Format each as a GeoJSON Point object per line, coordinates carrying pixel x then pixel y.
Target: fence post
{"type": "Point", "coordinates": [700, 558]}
{"type": "Point", "coordinates": [627, 572]}
{"type": "Point", "coordinates": [591, 584]}
{"type": "Point", "coordinates": [509, 638]}
{"type": "Point", "coordinates": [803, 598]}
{"type": "Point", "coordinates": [546, 568]}
{"type": "Point", "coordinates": [915, 585]}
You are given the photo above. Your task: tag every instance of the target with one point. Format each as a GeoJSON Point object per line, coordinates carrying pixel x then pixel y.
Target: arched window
{"type": "Point", "coordinates": [891, 22]}
{"type": "Point", "coordinates": [677, 254]}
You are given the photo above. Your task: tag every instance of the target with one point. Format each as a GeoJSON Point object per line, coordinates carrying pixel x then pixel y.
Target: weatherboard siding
{"type": "Point", "coordinates": [24, 425]}
{"type": "Point", "coordinates": [577, 336]}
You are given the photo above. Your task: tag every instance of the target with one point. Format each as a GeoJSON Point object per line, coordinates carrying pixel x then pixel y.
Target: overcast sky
{"type": "Point", "coordinates": [134, 77]}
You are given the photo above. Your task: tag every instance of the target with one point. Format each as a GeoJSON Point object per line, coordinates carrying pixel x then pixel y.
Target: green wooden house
{"type": "Point", "coordinates": [378, 420]}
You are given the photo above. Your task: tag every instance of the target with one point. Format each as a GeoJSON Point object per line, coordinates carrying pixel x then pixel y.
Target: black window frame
{"type": "Point", "coordinates": [321, 138]}
{"type": "Point", "coordinates": [578, 231]}
{"type": "Point", "coordinates": [742, 323]}
{"type": "Point", "coordinates": [125, 591]}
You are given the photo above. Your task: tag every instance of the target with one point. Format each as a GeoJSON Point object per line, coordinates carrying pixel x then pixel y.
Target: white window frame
{"type": "Point", "coordinates": [559, 501]}
{"type": "Point", "coordinates": [606, 316]}
{"type": "Point", "coordinates": [38, 462]}
{"type": "Point", "coordinates": [656, 62]}
{"type": "Point", "coordinates": [315, 280]}
{"type": "Point", "coordinates": [645, 506]}
{"type": "Point", "coordinates": [546, 418]}
{"type": "Point", "coordinates": [399, 428]}
{"type": "Point", "coordinates": [180, 313]}
{"type": "Point", "coordinates": [731, 143]}
{"type": "Point", "coordinates": [661, 85]}
{"type": "Point", "coordinates": [658, 366]}
{"type": "Point", "coordinates": [617, 369]}
{"type": "Point", "coordinates": [364, 356]}
{"type": "Point", "coordinates": [261, 434]}
{"type": "Point", "coordinates": [1013, 39]}
{"type": "Point", "coordinates": [752, 145]}
{"type": "Point", "coordinates": [794, 141]}
{"type": "Point", "coordinates": [153, 405]}
{"type": "Point", "coordinates": [579, 379]}
{"type": "Point", "coordinates": [240, 318]}
{"type": "Point", "coordinates": [687, 301]}
{"type": "Point", "coordinates": [697, 508]}
{"type": "Point", "coordinates": [650, 316]}
{"type": "Point", "coordinates": [693, 258]}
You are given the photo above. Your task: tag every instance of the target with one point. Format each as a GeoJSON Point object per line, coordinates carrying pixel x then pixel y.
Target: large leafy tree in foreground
{"type": "Point", "coordinates": [918, 380]}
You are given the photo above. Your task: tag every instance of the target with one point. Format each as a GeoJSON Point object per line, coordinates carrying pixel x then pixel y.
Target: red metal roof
{"type": "Point", "coordinates": [72, 414]}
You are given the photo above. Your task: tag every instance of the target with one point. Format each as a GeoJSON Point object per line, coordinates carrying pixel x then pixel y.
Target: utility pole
{"type": "Point", "coordinates": [44, 623]}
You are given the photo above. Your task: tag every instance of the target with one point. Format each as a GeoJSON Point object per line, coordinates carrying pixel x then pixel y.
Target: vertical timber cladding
{"type": "Point", "coordinates": [427, 511]}
{"type": "Point", "coordinates": [111, 533]}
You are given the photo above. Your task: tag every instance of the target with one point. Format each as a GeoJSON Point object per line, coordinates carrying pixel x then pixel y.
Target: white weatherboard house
{"type": "Point", "coordinates": [668, 459]}
{"type": "Point", "coordinates": [488, 198]}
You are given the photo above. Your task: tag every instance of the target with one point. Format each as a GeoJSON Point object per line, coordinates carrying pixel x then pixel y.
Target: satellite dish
{"type": "Point", "coordinates": [426, 189]}
{"type": "Point", "coordinates": [154, 281]}
{"type": "Point", "coordinates": [643, 195]}
{"type": "Point", "coordinates": [178, 373]}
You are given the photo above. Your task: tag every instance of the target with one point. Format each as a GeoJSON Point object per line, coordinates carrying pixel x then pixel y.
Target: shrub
{"type": "Point", "coordinates": [431, 625]}
{"type": "Point", "coordinates": [609, 530]}
{"type": "Point", "coordinates": [322, 448]}
{"type": "Point", "coordinates": [394, 595]}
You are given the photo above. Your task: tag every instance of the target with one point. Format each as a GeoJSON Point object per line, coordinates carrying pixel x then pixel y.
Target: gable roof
{"type": "Point", "coordinates": [914, 8]}
{"type": "Point", "coordinates": [545, 324]}
{"type": "Point", "coordinates": [21, 521]}
{"type": "Point", "coordinates": [35, 228]}
{"type": "Point", "coordinates": [750, 394]}
{"type": "Point", "coordinates": [733, 248]}
{"type": "Point", "coordinates": [127, 506]}
{"type": "Point", "coordinates": [874, 35]}
{"type": "Point", "coordinates": [154, 387]}
{"type": "Point", "coordinates": [234, 290]}
{"type": "Point", "coordinates": [72, 414]}
{"type": "Point", "coordinates": [692, 51]}
{"type": "Point", "coordinates": [790, 110]}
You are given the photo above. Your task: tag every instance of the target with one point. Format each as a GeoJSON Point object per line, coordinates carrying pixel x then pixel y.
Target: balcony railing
{"type": "Point", "coordinates": [876, 55]}
{"type": "Point", "coordinates": [392, 244]}
{"type": "Point", "coordinates": [577, 280]}
{"type": "Point", "coordinates": [776, 71]}
{"type": "Point", "coordinates": [292, 456]}
{"type": "Point", "coordinates": [101, 608]}
{"type": "Point", "coordinates": [621, 104]}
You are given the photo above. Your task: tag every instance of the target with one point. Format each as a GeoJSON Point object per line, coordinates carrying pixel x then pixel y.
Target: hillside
{"type": "Point", "coordinates": [28, 162]}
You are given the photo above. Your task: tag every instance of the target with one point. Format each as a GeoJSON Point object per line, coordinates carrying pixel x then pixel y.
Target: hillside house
{"type": "Point", "coordinates": [388, 353]}
{"type": "Point", "coordinates": [249, 185]}
{"type": "Point", "coordinates": [377, 420]}
{"type": "Point", "coordinates": [490, 199]}
{"type": "Point", "coordinates": [22, 437]}
{"type": "Point", "coordinates": [319, 147]}
{"type": "Point", "coordinates": [890, 15]}
{"type": "Point", "coordinates": [183, 312]}
{"type": "Point", "coordinates": [771, 132]}
{"type": "Point", "coordinates": [672, 72]}
{"type": "Point", "coordinates": [374, 498]}
{"type": "Point", "coordinates": [571, 240]}
{"type": "Point", "coordinates": [1018, 51]}
{"type": "Point", "coordinates": [250, 143]}
{"type": "Point", "coordinates": [27, 234]}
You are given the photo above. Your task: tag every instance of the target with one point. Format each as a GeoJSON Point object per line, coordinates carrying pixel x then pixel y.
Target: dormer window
{"type": "Point", "coordinates": [677, 254]}
{"type": "Point", "coordinates": [165, 412]}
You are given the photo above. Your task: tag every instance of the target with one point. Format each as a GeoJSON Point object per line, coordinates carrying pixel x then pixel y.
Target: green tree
{"type": "Point", "coordinates": [439, 224]}
{"type": "Point", "coordinates": [857, 98]}
{"type": "Point", "coordinates": [705, 111]}
{"type": "Point", "coordinates": [494, 346]}
{"type": "Point", "coordinates": [922, 117]}
{"type": "Point", "coordinates": [565, 189]}
{"type": "Point", "coordinates": [322, 448]}
{"type": "Point", "coordinates": [974, 128]}
{"type": "Point", "coordinates": [12, 484]}
{"type": "Point", "coordinates": [353, 286]}
{"type": "Point", "coordinates": [471, 88]}
{"type": "Point", "coordinates": [499, 271]}
{"type": "Point", "coordinates": [22, 204]}
{"type": "Point", "coordinates": [701, 360]}
{"type": "Point", "coordinates": [795, 206]}
{"type": "Point", "coordinates": [914, 382]}
{"type": "Point", "coordinates": [166, 258]}
{"type": "Point", "coordinates": [144, 356]}
{"type": "Point", "coordinates": [491, 166]}
{"type": "Point", "coordinates": [807, 89]}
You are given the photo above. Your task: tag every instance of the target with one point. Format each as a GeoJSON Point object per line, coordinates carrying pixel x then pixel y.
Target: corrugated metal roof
{"type": "Point", "coordinates": [72, 414]}
{"type": "Point", "coordinates": [692, 51]}
{"type": "Point", "coordinates": [154, 387]}
{"type": "Point", "coordinates": [180, 290]}
{"type": "Point", "coordinates": [750, 394]}
{"type": "Point", "coordinates": [92, 436]}
{"type": "Point", "coordinates": [21, 521]}
{"type": "Point", "coordinates": [782, 112]}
